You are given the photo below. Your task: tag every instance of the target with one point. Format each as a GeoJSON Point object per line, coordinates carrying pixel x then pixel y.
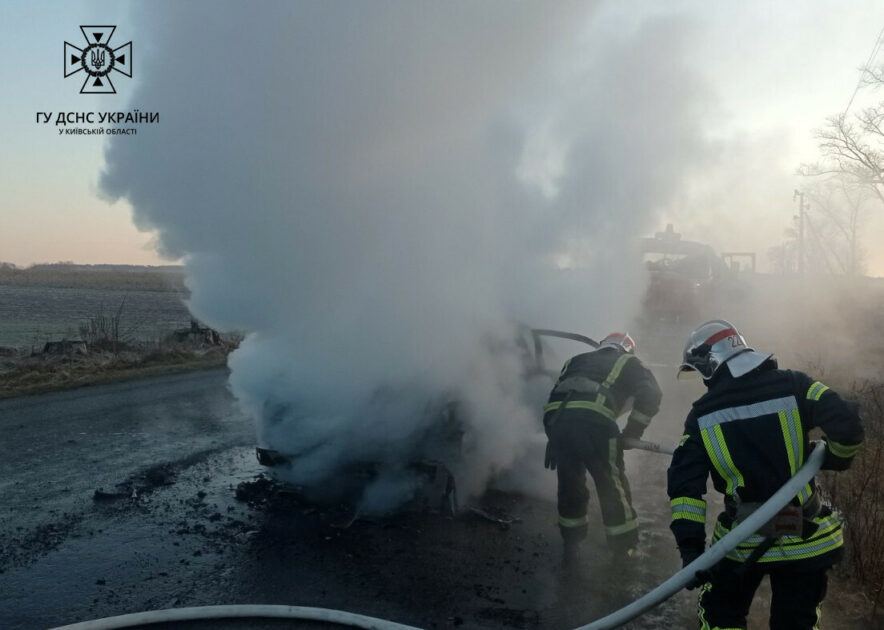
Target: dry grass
{"type": "Point", "coordinates": [859, 495]}
{"type": "Point", "coordinates": [22, 374]}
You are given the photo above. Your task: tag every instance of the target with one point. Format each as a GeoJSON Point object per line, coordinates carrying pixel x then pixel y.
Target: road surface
{"type": "Point", "coordinates": [121, 498]}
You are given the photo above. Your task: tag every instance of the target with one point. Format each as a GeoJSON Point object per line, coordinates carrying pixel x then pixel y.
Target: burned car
{"type": "Point", "coordinates": [437, 447]}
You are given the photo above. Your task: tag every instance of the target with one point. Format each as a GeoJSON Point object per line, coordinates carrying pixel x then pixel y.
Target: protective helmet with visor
{"type": "Point", "coordinates": [619, 340]}
{"type": "Point", "coordinates": [717, 343]}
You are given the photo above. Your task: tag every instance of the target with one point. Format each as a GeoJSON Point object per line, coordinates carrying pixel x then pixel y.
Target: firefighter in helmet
{"type": "Point", "coordinates": [749, 432]}
{"type": "Point", "coordinates": [579, 419]}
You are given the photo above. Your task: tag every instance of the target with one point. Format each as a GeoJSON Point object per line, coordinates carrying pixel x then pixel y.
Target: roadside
{"type": "Point", "coordinates": [25, 374]}
{"type": "Point", "coordinates": [67, 326]}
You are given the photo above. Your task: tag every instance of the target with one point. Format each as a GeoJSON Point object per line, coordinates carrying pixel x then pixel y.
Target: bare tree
{"type": "Point", "coordinates": [852, 150]}
{"type": "Point", "coordinates": [839, 207]}
{"type": "Point", "coordinates": [852, 147]}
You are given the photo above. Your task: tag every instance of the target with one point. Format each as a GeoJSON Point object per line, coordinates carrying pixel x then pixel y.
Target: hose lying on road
{"type": "Point", "coordinates": [717, 551]}
{"type": "Point", "coordinates": [302, 613]}
{"type": "Point", "coordinates": [663, 592]}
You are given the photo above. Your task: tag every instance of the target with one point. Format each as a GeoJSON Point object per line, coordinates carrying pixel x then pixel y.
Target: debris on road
{"type": "Point", "coordinates": [502, 521]}
{"type": "Point", "coordinates": [138, 484]}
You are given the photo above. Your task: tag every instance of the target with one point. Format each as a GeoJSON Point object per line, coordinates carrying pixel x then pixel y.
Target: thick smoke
{"type": "Point", "coordinates": [376, 192]}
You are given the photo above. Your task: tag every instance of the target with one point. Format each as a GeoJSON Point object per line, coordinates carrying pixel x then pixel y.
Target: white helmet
{"type": "Point", "coordinates": [619, 340]}
{"type": "Point", "coordinates": [715, 343]}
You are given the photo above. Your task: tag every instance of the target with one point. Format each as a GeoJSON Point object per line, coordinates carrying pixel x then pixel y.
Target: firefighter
{"type": "Point", "coordinates": [579, 419]}
{"type": "Point", "coordinates": [749, 432]}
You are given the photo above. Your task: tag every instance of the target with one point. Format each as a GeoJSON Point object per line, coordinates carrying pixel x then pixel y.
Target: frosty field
{"type": "Point", "coordinates": [32, 315]}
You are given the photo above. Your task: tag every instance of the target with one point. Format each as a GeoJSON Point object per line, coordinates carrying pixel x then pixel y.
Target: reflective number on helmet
{"type": "Point", "coordinates": [735, 341]}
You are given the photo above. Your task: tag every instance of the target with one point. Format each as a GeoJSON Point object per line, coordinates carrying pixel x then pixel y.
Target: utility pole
{"type": "Point", "coordinates": [800, 196]}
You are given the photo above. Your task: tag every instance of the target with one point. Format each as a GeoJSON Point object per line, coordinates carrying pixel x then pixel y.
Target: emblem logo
{"type": "Point", "coordinates": [98, 59]}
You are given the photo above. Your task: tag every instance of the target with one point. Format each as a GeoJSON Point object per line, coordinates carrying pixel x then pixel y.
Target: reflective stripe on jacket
{"type": "Point", "coordinates": [750, 434]}
{"type": "Point", "coordinates": [609, 377]}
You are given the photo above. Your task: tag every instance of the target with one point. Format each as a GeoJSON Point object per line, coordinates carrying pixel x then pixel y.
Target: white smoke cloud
{"type": "Point", "coordinates": [374, 191]}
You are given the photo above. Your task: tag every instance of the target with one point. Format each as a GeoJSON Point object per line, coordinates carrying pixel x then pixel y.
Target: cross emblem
{"type": "Point", "coordinates": [98, 59]}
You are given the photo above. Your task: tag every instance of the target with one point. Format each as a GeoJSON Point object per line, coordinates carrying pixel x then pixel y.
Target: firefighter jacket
{"type": "Point", "coordinates": [751, 435]}
{"type": "Point", "coordinates": [603, 381]}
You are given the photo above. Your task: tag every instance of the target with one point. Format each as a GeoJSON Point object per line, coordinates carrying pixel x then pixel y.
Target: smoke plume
{"type": "Point", "coordinates": [376, 193]}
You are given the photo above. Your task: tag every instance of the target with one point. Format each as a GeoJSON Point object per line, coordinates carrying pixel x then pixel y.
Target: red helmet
{"type": "Point", "coordinates": [715, 343]}
{"type": "Point", "coordinates": [619, 340]}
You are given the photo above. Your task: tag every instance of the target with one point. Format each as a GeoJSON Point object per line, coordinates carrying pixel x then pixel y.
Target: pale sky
{"type": "Point", "coordinates": [776, 70]}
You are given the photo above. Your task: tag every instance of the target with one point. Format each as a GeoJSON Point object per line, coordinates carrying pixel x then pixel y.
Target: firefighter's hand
{"type": "Point", "coordinates": [700, 577]}
{"type": "Point", "coordinates": [632, 431]}
{"type": "Point", "coordinates": [549, 459]}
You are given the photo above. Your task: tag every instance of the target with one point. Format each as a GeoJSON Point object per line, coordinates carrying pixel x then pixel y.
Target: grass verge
{"type": "Point", "coordinates": [21, 376]}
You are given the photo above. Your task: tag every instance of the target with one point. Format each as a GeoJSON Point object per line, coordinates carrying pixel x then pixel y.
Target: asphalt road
{"type": "Point", "coordinates": [166, 529]}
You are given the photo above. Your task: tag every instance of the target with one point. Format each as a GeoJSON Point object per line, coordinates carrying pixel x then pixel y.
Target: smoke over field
{"type": "Point", "coordinates": [375, 193]}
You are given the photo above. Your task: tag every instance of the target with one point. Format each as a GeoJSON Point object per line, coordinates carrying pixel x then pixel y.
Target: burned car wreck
{"type": "Point", "coordinates": [432, 454]}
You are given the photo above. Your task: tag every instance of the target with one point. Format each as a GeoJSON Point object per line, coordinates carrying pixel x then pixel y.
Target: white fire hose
{"type": "Point", "coordinates": [719, 550]}
{"type": "Point", "coordinates": [199, 613]}
{"type": "Point", "coordinates": [647, 446]}
{"type": "Point", "coordinates": [616, 619]}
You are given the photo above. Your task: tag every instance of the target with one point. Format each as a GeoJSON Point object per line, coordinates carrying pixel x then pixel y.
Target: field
{"type": "Point", "coordinates": [32, 315]}
{"type": "Point", "coordinates": [126, 319]}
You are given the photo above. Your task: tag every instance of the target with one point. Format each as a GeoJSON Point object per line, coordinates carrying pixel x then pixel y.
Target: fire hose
{"type": "Point", "coordinates": [647, 446]}
{"type": "Point", "coordinates": [614, 620]}
{"type": "Point", "coordinates": [200, 613]}
{"type": "Point", "coordinates": [719, 550]}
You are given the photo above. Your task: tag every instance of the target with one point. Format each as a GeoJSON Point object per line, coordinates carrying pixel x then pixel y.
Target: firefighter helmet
{"type": "Point", "coordinates": [619, 340]}
{"type": "Point", "coordinates": [714, 344]}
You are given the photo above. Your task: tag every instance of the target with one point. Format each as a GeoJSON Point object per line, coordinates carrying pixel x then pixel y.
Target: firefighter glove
{"type": "Point", "coordinates": [549, 459]}
{"type": "Point", "coordinates": [700, 577]}
{"type": "Point", "coordinates": [632, 431]}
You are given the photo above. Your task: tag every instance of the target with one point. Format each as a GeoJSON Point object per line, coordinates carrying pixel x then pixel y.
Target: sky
{"type": "Point", "coordinates": [772, 73]}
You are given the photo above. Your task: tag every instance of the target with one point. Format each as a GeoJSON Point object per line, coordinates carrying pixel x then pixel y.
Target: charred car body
{"type": "Point", "coordinates": [437, 448]}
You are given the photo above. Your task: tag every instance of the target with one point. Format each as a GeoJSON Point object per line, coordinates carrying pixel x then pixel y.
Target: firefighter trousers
{"type": "Point", "coordinates": [796, 595]}
{"type": "Point", "coordinates": [585, 441]}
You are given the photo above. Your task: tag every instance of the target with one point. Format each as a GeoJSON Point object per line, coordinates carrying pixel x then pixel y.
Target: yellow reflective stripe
{"type": "Point", "coordinates": [615, 371]}
{"type": "Point", "coordinates": [793, 437]}
{"type": "Point", "coordinates": [816, 390]}
{"type": "Point", "coordinates": [573, 522]}
{"type": "Point", "coordinates": [613, 452]}
{"type": "Point", "coordinates": [684, 439]}
{"type": "Point", "coordinates": [640, 417]}
{"type": "Point", "coordinates": [592, 405]}
{"type": "Point", "coordinates": [825, 524]}
{"type": "Point", "coordinates": [842, 450]}
{"type": "Point", "coordinates": [800, 430]}
{"type": "Point", "coordinates": [689, 516]}
{"type": "Point", "coordinates": [596, 406]}
{"type": "Point", "coordinates": [707, 442]}
{"type": "Point", "coordinates": [700, 503]}
{"type": "Point", "coordinates": [829, 536]}
{"type": "Point", "coordinates": [789, 439]}
{"type": "Point", "coordinates": [701, 612]}
{"type": "Point", "coordinates": [805, 492]}
{"type": "Point", "coordinates": [721, 458]}
{"type": "Point", "coordinates": [688, 509]}
{"type": "Point", "coordinates": [616, 530]}
{"type": "Point", "coordinates": [803, 552]}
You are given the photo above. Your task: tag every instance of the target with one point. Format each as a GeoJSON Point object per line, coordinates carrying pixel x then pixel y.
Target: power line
{"type": "Point", "coordinates": [874, 53]}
